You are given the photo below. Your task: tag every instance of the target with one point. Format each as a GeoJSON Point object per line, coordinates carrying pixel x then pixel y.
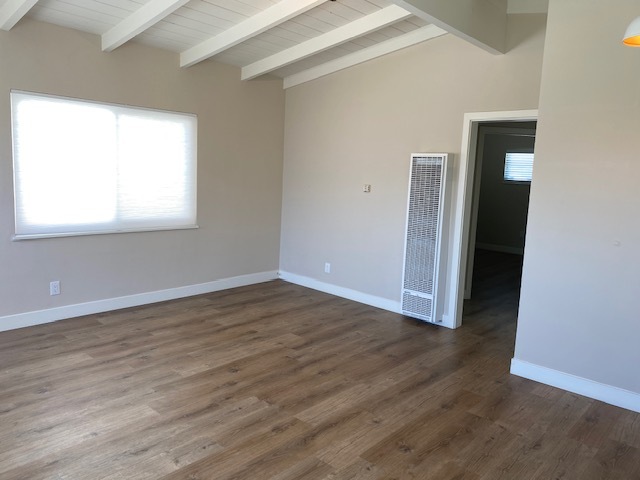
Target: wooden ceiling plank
{"type": "Point", "coordinates": [146, 16]}
{"type": "Point", "coordinates": [253, 26]}
{"type": "Point", "coordinates": [397, 43]}
{"type": "Point", "coordinates": [361, 6]}
{"type": "Point", "coordinates": [12, 11]}
{"type": "Point", "coordinates": [480, 22]}
{"type": "Point", "coordinates": [68, 20]}
{"type": "Point", "coordinates": [357, 28]}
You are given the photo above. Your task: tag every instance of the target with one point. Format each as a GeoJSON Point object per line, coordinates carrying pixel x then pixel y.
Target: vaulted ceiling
{"type": "Point", "coordinates": [298, 40]}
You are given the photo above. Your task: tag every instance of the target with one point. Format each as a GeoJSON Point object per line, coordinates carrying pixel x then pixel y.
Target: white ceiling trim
{"type": "Point", "coordinates": [412, 38]}
{"type": "Point", "coordinates": [482, 23]}
{"type": "Point", "coordinates": [146, 16]}
{"type": "Point", "coordinates": [253, 26]}
{"type": "Point", "coordinates": [337, 36]}
{"type": "Point", "coordinates": [12, 11]}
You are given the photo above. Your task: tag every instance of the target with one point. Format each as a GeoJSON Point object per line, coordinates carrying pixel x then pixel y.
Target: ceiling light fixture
{"type": "Point", "coordinates": [632, 35]}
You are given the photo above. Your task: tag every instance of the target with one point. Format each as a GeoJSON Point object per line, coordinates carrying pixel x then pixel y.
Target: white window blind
{"type": "Point", "coordinates": [518, 167]}
{"type": "Point", "coordinates": [84, 167]}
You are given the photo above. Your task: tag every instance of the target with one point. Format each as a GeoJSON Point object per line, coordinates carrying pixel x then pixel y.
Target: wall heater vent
{"type": "Point", "coordinates": [423, 235]}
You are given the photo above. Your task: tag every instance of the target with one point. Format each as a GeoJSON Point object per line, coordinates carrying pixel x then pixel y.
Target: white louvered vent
{"type": "Point", "coordinates": [424, 228]}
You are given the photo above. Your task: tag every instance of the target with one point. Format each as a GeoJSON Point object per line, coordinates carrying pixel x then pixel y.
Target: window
{"type": "Point", "coordinates": [518, 167]}
{"type": "Point", "coordinates": [84, 167]}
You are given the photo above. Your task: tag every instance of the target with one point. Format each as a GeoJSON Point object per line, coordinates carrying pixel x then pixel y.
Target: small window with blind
{"type": "Point", "coordinates": [84, 167]}
{"type": "Point", "coordinates": [518, 167]}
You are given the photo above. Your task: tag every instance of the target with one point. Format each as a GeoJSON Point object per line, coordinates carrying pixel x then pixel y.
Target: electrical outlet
{"type": "Point", "coordinates": [327, 267]}
{"type": "Point", "coordinates": [54, 288]}
{"type": "Point", "coordinates": [366, 188]}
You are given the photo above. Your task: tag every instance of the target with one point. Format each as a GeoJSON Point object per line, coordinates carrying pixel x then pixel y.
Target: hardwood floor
{"type": "Point", "coordinates": [281, 382]}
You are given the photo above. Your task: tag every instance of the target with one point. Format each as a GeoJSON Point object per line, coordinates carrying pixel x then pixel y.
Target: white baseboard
{"type": "Point", "coordinates": [582, 386]}
{"type": "Point", "coordinates": [39, 317]}
{"type": "Point", "coordinates": [500, 248]}
{"type": "Point", "coordinates": [379, 302]}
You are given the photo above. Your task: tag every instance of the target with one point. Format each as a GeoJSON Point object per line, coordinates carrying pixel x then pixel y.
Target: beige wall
{"type": "Point", "coordinates": [240, 151]}
{"type": "Point", "coordinates": [361, 125]}
{"type": "Point", "coordinates": [578, 310]}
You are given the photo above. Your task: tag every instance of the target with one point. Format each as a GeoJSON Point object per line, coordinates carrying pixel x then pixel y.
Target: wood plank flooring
{"type": "Point", "coordinates": [275, 381]}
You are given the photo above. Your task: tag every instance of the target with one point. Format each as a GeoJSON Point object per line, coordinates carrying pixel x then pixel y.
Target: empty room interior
{"type": "Point", "coordinates": [319, 239]}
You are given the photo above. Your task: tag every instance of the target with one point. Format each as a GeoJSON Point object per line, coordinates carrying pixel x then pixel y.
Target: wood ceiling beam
{"type": "Point", "coordinates": [337, 36]}
{"type": "Point", "coordinates": [253, 26]}
{"type": "Point", "coordinates": [480, 22]}
{"type": "Point", "coordinates": [146, 16]}
{"type": "Point", "coordinates": [412, 38]}
{"type": "Point", "coordinates": [12, 11]}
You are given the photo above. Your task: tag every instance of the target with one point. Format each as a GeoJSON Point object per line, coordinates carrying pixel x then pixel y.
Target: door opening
{"type": "Point", "coordinates": [462, 210]}
{"type": "Point", "coordinates": [500, 200]}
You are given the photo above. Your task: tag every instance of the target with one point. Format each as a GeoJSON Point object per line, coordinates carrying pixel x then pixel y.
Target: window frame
{"type": "Point", "coordinates": [162, 223]}
{"type": "Point", "coordinates": [504, 170]}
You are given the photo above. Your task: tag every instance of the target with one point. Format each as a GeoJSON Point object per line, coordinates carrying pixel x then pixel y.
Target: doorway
{"type": "Point", "coordinates": [500, 201]}
{"type": "Point", "coordinates": [462, 201]}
